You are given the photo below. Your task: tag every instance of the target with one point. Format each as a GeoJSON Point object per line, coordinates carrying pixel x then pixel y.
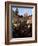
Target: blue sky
{"type": "Point", "coordinates": [22, 11]}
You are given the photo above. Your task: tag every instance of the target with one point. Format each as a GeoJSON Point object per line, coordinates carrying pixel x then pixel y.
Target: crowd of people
{"type": "Point", "coordinates": [22, 30]}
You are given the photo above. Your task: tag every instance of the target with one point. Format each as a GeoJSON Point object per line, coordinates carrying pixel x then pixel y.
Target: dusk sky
{"type": "Point", "coordinates": [22, 11]}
